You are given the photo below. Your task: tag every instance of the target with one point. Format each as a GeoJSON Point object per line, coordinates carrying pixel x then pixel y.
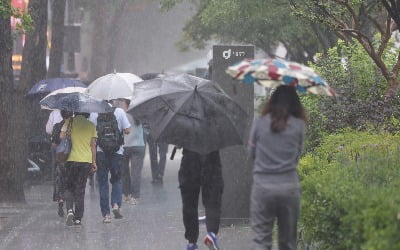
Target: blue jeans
{"type": "Point", "coordinates": [109, 163]}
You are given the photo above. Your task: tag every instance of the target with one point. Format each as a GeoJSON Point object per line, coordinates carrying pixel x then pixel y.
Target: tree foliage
{"type": "Point", "coordinates": [360, 86]}
{"type": "Point", "coordinates": [264, 23]}
{"type": "Point", "coordinates": [366, 22]}
{"type": "Point", "coordinates": [7, 11]}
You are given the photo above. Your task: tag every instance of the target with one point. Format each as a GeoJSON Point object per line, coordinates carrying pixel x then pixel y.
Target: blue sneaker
{"type": "Point", "coordinates": [211, 241]}
{"type": "Point", "coordinates": [191, 246]}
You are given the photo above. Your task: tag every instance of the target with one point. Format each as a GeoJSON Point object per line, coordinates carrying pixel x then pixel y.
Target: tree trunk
{"type": "Point", "coordinates": [391, 89]}
{"type": "Point", "coordinates": [98, 55]}
{"type": "Point", "coordinates": [11, 189]}
{"type": "Point", "coordinates": [30, 121]}
{"type": "Point", "coordinates": [113, 35]}
{"type": "Point", "coordinates": [57, 38]}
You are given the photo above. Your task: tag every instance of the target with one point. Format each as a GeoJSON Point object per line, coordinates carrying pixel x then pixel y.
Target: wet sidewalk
{"type": "Point", "coordinates": [155, 223]}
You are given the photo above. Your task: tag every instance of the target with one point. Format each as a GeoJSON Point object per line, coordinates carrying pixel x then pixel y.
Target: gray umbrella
{"type": "Point", "coordinates": [190, 112]}
{"type": "Point", "coordinates": [75, 102]}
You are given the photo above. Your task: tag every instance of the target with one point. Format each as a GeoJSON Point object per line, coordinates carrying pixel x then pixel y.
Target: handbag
{"type": "Point", "coordinates": [64, 148]}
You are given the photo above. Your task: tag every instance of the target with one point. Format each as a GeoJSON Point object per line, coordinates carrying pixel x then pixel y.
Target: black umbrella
{"type": "Point", "coordinates": [76, 102]}
{"type": "Point", "coordinates": [190, 112]}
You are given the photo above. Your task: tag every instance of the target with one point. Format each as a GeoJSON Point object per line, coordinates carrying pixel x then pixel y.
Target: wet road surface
{"type": "Point", "coordinates": [155, 223]}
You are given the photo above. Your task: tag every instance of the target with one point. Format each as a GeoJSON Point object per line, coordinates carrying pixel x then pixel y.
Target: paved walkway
{"type": "Point", "coordinates": [155, 223]}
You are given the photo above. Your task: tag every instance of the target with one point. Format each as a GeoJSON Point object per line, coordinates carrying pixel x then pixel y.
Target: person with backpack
{"type": "Point", "coordinates": [110, 129]}
{"type": "Point", "coordinates": [59, 171]}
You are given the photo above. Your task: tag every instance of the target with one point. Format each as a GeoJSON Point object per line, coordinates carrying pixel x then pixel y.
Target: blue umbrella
{"type": "Point", "coordinates": [47, 86]}
{"type": "Point", "coordinates": [76, 102]}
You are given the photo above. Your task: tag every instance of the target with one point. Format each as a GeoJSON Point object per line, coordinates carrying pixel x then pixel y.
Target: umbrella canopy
{"type": "Point", "coordinates": [47, 86]}
{"type": "Point", "coordinates": [271, 73]}
{"type": "Point", "coordinates": [113, 86]}
{"type": "Point", "coordinates": [190, 112]}
{"type": "Point", "coordinates": [65, 90]}
{"type": "Point", "coordinates": [75, 102]}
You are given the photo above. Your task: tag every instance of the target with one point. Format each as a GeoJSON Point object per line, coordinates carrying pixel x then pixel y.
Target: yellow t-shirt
{"type": "Point", "coordinates": [81, 134]}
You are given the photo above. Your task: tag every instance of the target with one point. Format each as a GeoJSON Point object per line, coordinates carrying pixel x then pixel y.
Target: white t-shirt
{"type": "Point", "coordinates": [54, 118]}
{"type": "Point", "coordinates": [123, 123]}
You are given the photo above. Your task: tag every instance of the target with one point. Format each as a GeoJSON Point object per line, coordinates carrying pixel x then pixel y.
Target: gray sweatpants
{"type": "Point", "coordinates": [270, 202]}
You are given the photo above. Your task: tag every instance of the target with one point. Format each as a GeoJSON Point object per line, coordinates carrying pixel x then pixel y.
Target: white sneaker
{"type": "Point", "coordinates": [107, 219]}
{"type": "Point", "coordinates": [126, 198]}
{"type": "Point", "coordinates": [133, 201]}
{"type": "Point", "coordinates": [69, 221]}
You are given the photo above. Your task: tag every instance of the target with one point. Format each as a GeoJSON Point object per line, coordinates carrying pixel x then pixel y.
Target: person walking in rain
{"type": "Point", "coordinates": [81, 160]}
{"type": "Point", "coordinates": [201, 173]}
{"type": "Point", "coordinates": [275, 143]}
{"type": "Point", "coordinates": [157, 151]}
{"type": "Point", "coordinates": [134, 151]}
{"type": "Point", "coordinates": [158, 158]}
{"type": "Point", "coordinates": [110, 129]}
{"type": "Point", "coordinates": [59, 171]}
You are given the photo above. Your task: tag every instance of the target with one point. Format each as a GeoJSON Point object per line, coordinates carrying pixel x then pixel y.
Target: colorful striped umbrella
{"type": "Point", "coordinates": [274, 72]}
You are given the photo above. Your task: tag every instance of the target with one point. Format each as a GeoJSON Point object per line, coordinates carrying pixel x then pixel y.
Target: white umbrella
{"type": "Point", "coordinates": [64, 90]}
{"type": "Point", "coordinates": [113, 86]}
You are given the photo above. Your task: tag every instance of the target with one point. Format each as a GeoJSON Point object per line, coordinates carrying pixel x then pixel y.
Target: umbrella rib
{"type": "Point", "coordinates": [174, 113]}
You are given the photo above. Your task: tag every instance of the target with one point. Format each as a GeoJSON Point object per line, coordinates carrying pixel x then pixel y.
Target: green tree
{"type": "Point", "coordinates": [29, 121]}
{"type": "Point", "coordinates": [107, 16]}
{"type": "Point", "coordinates": [57, 38]}
{"type": "Point", "coordinates": [393, 8]}
{"type": "Point", "coordinates": [10, 173]}
{"type": "Point", "coordinates": [360, 21]}
{"type": "Point", "coordinates": [8, 189]}
{"type": "Point", "coordinates": [264, 23]}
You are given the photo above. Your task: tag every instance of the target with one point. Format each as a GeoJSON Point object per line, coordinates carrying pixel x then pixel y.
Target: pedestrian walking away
{"type": "Point", "coordinates": [54, 118]}
{"type": "Point", "coordinates": [132, 163]}
{"type": "Point", "coordinates": [201, 173]}
{"type": "Point", "coordinates": [110, 128]}
{"type": "Point", "coordinates": [81, 160]}
{"type": "Point", "coordinates": [59, 168]}
{"type": "Point", "coordinates": [275, 143]}
{"type": "Point", "coordinates": [158, 158]}
{"type": "Point", "coordinates": [157, 151]}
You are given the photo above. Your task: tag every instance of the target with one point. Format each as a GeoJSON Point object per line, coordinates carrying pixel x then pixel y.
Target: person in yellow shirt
{"type": "Point", "coordinates": [80, 162]}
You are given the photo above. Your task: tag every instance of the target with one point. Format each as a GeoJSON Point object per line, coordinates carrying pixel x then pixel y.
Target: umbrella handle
{"type": "Point", "coordinates": [173, 153]}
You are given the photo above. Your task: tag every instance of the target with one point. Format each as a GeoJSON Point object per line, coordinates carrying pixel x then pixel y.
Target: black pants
{"type": "Point", "coordinates": [158, 158]}
{"type": "Point", "coordinates": [59, 182]}
{"type": "Point", "coordinates": [76, 174]}
{"type": "Point", "coordinates": [200, 172]}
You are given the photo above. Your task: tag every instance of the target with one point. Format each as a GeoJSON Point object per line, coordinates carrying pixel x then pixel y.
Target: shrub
{"type": "Point", "coordinates": [360, 85]}
{"type": "Point", "coordinates": [350, 192]}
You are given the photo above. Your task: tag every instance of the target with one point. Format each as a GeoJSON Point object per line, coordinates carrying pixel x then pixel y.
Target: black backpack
{"type": "Point", "coordinates": [109, 137]}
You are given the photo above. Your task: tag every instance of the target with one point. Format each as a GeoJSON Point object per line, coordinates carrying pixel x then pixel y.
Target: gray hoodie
{"type": "Point", "coordinates": [276, 155]}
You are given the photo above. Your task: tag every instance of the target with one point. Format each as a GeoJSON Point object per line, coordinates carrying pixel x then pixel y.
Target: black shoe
{"type": "Point", "coordinates": [117, 212]}
{"type": "Point", "coordinates": [61, 209]}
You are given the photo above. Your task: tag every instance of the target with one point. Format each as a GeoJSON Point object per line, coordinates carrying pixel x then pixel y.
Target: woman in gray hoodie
{"type": "Point", "coordinates": [275, 143]}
